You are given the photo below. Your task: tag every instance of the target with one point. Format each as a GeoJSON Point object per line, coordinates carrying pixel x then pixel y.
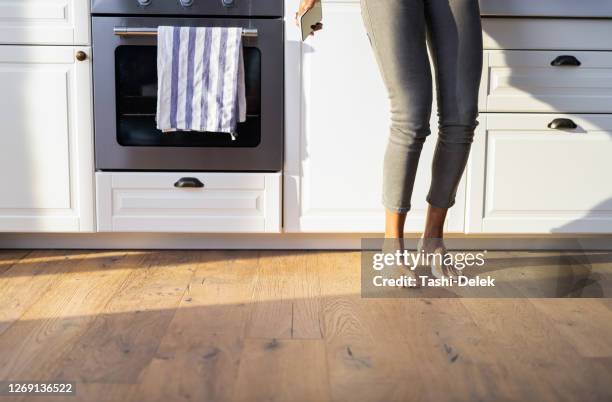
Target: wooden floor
{"type": "Point", "coordinates": [283, 326]}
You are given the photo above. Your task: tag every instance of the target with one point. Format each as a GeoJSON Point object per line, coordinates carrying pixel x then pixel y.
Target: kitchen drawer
{"type": "Point", "coordinates": [546, 8]}
{"type": "Point", "coordinates": [151, 202]}
{"type": "Point", "coordinates": [46, 22]}
{"type": "Point", "coordinates": [547, 33]}
{"type": "Point", "coordinates": [526, 81]}
{"type": "Point", "coordinates": [527, 178]}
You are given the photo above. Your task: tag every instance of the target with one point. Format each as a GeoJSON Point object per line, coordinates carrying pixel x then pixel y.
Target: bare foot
{"type": "Point", "coordinates": [436, 257]}
{"type": "Point", "coordinates": [397, 270]}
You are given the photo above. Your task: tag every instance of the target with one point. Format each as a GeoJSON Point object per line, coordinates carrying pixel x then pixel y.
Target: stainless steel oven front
{"type": "Point", "coordinates": [125, 97]}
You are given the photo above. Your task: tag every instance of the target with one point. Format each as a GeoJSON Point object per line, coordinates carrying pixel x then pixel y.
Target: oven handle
{"type": "Point", "coordinates": [126, 31]}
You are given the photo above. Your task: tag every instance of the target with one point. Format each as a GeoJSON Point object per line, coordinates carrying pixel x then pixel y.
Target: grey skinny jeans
{"type": "Point", "coordinates": [399, 31]}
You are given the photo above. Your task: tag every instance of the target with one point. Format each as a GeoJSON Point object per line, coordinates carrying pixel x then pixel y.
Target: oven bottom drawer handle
{"type": "Point", "coordinates": [188, 182]}
{"type": "Point", "coordinates": [566, 60]}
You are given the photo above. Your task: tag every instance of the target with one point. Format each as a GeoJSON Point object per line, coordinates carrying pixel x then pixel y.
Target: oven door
{"type": "Point", "coordinates": [125, 98]}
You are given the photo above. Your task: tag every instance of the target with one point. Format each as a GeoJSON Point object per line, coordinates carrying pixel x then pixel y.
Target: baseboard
{"type": "Point", "coordinates": [286, 241]}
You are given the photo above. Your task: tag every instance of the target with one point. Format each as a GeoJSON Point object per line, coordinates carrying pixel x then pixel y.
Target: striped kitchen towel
{"type": "Point", "coordinates": [201, 80]}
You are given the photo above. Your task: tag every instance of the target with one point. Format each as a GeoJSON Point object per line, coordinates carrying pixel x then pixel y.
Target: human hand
{"type": "Point", "coordinates": [306, 5]}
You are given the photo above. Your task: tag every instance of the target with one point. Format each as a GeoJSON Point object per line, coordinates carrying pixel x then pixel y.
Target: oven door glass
{"type": "Point", "coordinates": [136, 103]}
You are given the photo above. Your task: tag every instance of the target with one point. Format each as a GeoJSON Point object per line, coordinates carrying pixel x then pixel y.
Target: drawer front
{"type": "Point", "coordinates": [527, 178]}
{"type": "Point", "coordinates": [225, 203]}
{"type": "Point", "coordinates": [527, 81]}
{"type": "Point", "coordinates": [546, 8]}
{"type": "Point", "coordinates": [44, 22]}
{"type": "Point", "coordinates": [547, 34]}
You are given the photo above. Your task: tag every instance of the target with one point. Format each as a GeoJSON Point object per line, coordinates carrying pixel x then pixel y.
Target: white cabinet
{"type": "Point", "coordinates": [547, 33]}
{"type": "Point", "coordinates": [524, 175]}
{"type": "Point", "coordinates": [535, 179]}
{"type": "Point", "coordinates": [46, 142]}
{"type": "Point", "coordinates": [547, 8]}
{"type": "Point", "coordinates": [337, 129]}
{"type": "Point", "coordinates": [44, 22]}
{"type": "Point", "coordinates": [548, 81]}
{"type": "Point", "coordinates": [189, 202]}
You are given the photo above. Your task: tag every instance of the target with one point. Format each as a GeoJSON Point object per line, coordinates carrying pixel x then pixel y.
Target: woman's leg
{"type": "Point", "coordinates": [455, 40]}
{"type": "Point", "coordinates": [394, 224]}
{"type": "Point", "coordinates": [434, 224]}
{"type": "Point", "coordinates": [397, 32]}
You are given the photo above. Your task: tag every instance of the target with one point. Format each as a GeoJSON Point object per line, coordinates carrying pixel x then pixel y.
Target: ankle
{"type": "Point", "coordinates": [393, 235]}
{"type": "Point", "coordinates": [393, 243]}
{"type": "Point", "coordinates": [433, 233]}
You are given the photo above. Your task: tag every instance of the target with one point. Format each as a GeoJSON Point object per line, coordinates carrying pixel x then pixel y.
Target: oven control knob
{"type": "Point", "coordinates": [186, 3]}
{"type": "Point", "coordinates": [227, 3]}
{"type": "Point", "coordinates": [144, 3]}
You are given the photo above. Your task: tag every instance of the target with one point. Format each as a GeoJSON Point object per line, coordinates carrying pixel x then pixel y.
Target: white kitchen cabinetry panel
{"type": "Point", "coordinates": [547, 8]}
{"type": "Point", "coordinates": [46, 142]}
{"type": "Point", "coordinates": [334, 152]}
{"type": "Point", "coordinates": [540, 180]}
{"type": "Point", "coordinates": [547, 34]}
{"type": "Point", "coordinates": [225, 203]}
{"type": "Point", "coordinates": [527, 81]}
{"type": "Point", "coordinates": [44, 22]}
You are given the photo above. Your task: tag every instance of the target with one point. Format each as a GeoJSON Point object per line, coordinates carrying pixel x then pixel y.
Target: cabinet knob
{"type": "Point", "coordinates": [81, 55]}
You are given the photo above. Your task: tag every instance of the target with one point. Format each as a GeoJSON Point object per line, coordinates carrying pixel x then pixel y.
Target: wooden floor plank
{"type": "Point", "coordinates": [581, 322]}
{"type": "Point", "coordinates": [286, 297]}
{"type": "Point", "coordinates": [84, 392]}
{"type": "Point", "coordinates": [528, 343]}
{"type": "Point", "coordinates": [218, 299]}
{"type": "Point", "coordinates": [191, 366]}
{"type": "Point", "coordinates": [26, 280]}
{"type": "Point", "coordinates": [367, 356]}
{"type": "Point", "coordinates": [31, 347]}
{"type": "Point", "coordinates": [8, 258]}
{"type": "Point", "coordinates": [123, 338]}
{"type": "Point", "coordinates": [445, 347]}
{"type": "Point", "coordinates": [198, 356]}
{"type": "Point", "coordinates": [282, 370]}
{"type": "Point", "coordinates": [272, 312]}
{"type": "Point", "coordinates": [306, 320]}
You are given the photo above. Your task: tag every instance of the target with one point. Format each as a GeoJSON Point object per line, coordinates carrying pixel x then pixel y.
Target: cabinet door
{"type": "Point", "coordinates": [547, 33]}
{"type": "Point", "coordinates": [337, 129]}
{"type": "Point", "coordinates": [44, 22]}
{"type": "Point", "coordinates": [546, 8]}
{"type": "Point", "coordinates": [46, 150]}
{"type": "Point", "coordinates": [548, 81]}
{"type": "Point", "coordinates": [527, 178]}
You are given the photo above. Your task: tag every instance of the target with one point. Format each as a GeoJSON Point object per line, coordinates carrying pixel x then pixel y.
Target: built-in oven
{"type": "Point", "coordinates": [125, 87]}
